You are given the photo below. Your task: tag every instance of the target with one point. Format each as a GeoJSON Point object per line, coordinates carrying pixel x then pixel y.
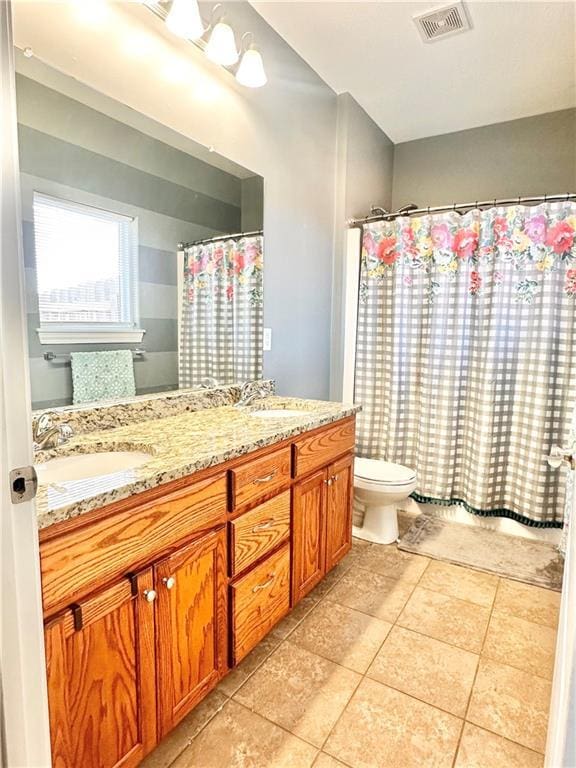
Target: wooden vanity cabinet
{"type": "Point", "coordinates": [147, 601]}
{"type": "Point", "coordinates": [100, 669]}
{"type": "Point", "coordinates": [191, 626]}
{"type": "Point", "coordinates": [321, 524]}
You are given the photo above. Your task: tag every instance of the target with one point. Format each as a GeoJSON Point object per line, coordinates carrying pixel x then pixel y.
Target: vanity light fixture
{"type": "Point", "coordinates": [184, 19]}
{"type": "Point", "coordinates": [221, 48]}
{"type": "Point", "coordinates": [216, 39]}
{"type": "Point", "coordinates": [251, 69]}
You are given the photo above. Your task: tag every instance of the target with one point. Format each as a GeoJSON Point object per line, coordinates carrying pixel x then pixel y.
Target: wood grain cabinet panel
{"type": "Point", "coordinates": [191, 626]}
{"type": "Point", "coordinates": [101, 687]}
{"type": "Point", "coordinates": [339, 510]}
{"type": "Point", "coordinates": [82, 560]}
{"type": "Point", "coordinates": [259, 600]}
{"type": "Point", "coordinates": [259, 531]}
{"type": "Point", "coordinates": [257, 478]}
{"type": "Point", "coordinates": [320, 448]}
{"type": "Point", "coordinates": [308, 533]}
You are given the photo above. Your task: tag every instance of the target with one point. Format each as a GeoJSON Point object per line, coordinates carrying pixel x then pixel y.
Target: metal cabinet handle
{"type": "Point", "coordinates": [328, 482]}
{"type": "Point", "coordinates": [267, 583]}
{"type": "Point", "coordinates": [265, 478]}
{"type": "Point", "coordinates": [169, 582]}
{"type": "Point", "coordinates": [264, 525]}
{"type": "Point", "coordinates": [150, 595]}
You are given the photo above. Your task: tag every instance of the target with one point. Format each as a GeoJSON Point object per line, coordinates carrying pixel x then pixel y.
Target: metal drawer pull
{"type": "Point", "coordinates": [150, 595]}
{"type": "Point", "coordinates": [266, 478]}
{"type": "Point", "coordinates": [263, 526]}
{"type": "Point", "coordinates": [169, 582]}
{"type": "Point", "coordinates": [328, 482]}
{"type": "Point", "coordinates": [267, 583]}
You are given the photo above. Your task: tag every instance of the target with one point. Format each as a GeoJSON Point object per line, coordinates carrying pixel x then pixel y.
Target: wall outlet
{"type": "Point", "coordinates": [267, 339]}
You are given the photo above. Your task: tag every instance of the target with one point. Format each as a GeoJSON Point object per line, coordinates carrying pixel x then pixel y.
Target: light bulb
{"type": "Point", "coordinates": [184, 19]}
{"type": "Point", "coordinates": [251, 70]}
{"type": "Point", "coordinates": [221, 48]}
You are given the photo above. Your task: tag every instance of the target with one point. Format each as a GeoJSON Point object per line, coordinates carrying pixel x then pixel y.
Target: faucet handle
{"type": "Point", "coordinates": [66, 432]}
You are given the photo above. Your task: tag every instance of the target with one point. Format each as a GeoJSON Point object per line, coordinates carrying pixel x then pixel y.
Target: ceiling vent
{"type": "Point", "coordinates": [442, 22]}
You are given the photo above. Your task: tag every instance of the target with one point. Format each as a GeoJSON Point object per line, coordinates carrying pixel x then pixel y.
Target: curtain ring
{"type": "Point", "coordinates": [476, 204]}
{"type": "Point", "coordinates": [519, 198]}
{"type": "Point", "coordinates": [545, 198]}
{"type": "Point", "coordinates": [428, 210]}
{"type": "Point", "coordinates": [454, 207]}
{"type": "Point", "coordinates": [567, 196]}
{"type": "Point", "coordinates": [494, 204]}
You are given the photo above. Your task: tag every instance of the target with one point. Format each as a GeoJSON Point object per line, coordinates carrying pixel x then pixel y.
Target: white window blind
{"type": "Point", "coordinates": [86, 262]}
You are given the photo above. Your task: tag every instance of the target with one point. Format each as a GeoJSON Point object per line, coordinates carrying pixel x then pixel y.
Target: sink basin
{"type": "Point", "coordinates": [81, 466]}
{"type": "Point", "coordinates": [277, 413]}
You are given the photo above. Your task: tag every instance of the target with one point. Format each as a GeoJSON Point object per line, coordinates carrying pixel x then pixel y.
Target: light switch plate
{"type": "Point", "coordinates": [267, 339]}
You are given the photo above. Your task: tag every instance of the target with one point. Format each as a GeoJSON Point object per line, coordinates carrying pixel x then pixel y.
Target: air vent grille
{"type": "Point", "coordinates": [441, 22]}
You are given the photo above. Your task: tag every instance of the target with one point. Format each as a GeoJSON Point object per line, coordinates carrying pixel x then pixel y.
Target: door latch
{"type": "Point", "coordinates": [23, 484]}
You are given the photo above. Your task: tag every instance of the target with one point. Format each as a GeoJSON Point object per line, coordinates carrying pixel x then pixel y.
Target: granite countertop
{"type": "Point", "coordinates": [178, 446]}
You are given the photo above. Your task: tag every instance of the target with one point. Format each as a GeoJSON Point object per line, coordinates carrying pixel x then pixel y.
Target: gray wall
{"type": "Point", "coordinates": [364, 177]}
{"type": "Point", "coordinates": [71, 151]}
{"type": "Point", "coordinates": [531, 156]}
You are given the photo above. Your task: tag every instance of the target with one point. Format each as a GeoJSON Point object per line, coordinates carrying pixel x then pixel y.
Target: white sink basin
{"type": "Point", "coordinates": [277, 413]}
{"type": "Point", "coordinates": [81, 466]}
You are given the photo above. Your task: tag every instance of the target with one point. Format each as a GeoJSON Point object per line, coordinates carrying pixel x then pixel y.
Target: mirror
{"type": "Point", "coordinates": [136, 240]}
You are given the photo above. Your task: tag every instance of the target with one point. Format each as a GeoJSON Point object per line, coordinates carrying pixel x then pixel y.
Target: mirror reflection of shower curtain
{"type": "Point", "coordinates": [221, 312]}
{"type": "Point", "coordinates": [466, 355]}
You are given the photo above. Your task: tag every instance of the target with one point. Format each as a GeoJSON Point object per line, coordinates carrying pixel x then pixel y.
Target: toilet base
{"type": "Point", "coordinates": [380, 525]}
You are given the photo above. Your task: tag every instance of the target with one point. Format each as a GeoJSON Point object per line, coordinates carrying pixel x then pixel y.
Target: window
{"type": "Point", "coordinates": [86, 262]}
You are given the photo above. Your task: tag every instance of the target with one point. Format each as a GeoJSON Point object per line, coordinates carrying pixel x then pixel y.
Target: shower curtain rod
{"type": "Point", "coordinates": [182, 246]}
{"type": "Point", "coordinates": [460, 207]}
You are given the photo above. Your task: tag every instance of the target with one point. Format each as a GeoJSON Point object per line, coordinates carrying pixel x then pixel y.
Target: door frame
{"type": "Point", "coordinates": [24, 700]}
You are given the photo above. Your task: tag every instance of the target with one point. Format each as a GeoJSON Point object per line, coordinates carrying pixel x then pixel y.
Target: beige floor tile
{"type": "Point", "coordinates": [528, 602]}
{"type": "Point", "coordinates": [302, 692]}
{"type": "Point", "coordinates": [238, 738]}
{"type": "Point", "coordinates": [445, 618]}
{"type": "Point", "coordinates": [391, 562]}
{"type": "Point", "coordinates": [383, 728]}
{"type": "Point", "coordinates": [325, 761]}
{"type": "Point", "coordinates": [460, 582]}
{"type": "Point", "coordinates": [481, 749]}
{"type": "Point", "coordinates": [238, 676]}
{"type": "Point", "coordinates": [512, 703]}
{"type": "Point", "coordinates": [521, 644]}
{"type": "Point", "coordinates": [371, 593]}
{"type": "Point", "coordinates": [342, 635]}
{"type": "Point", "coordinates": [296, 615]}
{"type": "Point", "coordinates": [434, 672]}
{"type": "Point", "coordinates": [177, 741]}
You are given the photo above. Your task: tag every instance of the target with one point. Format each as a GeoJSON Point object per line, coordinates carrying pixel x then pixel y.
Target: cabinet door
{"type": "Point", "coordinates": [339, 510]}
{"type": "Point", "coordinates": [191, 628]}
{"type": "Point", "coordinates": [101, 679]}
{"type": "Point", "coordinates": [308, 534]}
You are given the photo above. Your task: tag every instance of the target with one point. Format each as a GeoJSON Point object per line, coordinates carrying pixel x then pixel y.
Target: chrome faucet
{"type": "Point", "coordinates": [47, 435]}
{"type": "Point", "coordinates": [250, 391]}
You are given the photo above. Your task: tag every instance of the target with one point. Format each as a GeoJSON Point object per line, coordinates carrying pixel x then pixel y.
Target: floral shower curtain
{"type": "Point", "coordinates": [466, 354]}
{"type": "Point", "coordinates": [221, 315]}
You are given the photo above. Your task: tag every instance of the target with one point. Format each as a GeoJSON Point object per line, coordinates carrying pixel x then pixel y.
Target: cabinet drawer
{"type": "Point", "coordinates": [317, 450]}
{"type": "Point", "coordinates": [259, 600]}
{"type": "Point", "coordinates": [80, 561]}
{"type": "Point", "coordinates": [258, 478]}
{"type": "Point", "coordinates": [259, 531]}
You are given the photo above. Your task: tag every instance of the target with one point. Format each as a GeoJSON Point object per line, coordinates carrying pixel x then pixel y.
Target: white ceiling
{"type": "Point", "coordinates": [519, 59]}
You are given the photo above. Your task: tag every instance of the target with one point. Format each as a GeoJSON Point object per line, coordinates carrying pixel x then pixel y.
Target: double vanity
{"type": "Point", "coordinates": [161, 575]}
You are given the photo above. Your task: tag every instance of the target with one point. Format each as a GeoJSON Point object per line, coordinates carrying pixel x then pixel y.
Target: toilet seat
{"type": "Point", "coordinates": [374, 473]}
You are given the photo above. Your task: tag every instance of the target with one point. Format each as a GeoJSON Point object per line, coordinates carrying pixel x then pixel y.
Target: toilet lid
{"type": "Point", "coordinates": [383, 471]}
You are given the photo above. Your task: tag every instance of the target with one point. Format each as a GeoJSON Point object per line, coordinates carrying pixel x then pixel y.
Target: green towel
{"type": "Point", "coordinates": [102, 375]}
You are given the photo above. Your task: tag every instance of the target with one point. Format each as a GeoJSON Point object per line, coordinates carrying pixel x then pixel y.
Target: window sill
{"type": "Point", "coordinates": [117, 336]}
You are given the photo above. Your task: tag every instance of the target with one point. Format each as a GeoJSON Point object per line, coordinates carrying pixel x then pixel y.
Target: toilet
{"type": "Point", "coordinates": [378, 487]}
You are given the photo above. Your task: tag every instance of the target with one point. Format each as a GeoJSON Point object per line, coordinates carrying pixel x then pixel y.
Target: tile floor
{"type": "Point", "coordinates": [394, 661]}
